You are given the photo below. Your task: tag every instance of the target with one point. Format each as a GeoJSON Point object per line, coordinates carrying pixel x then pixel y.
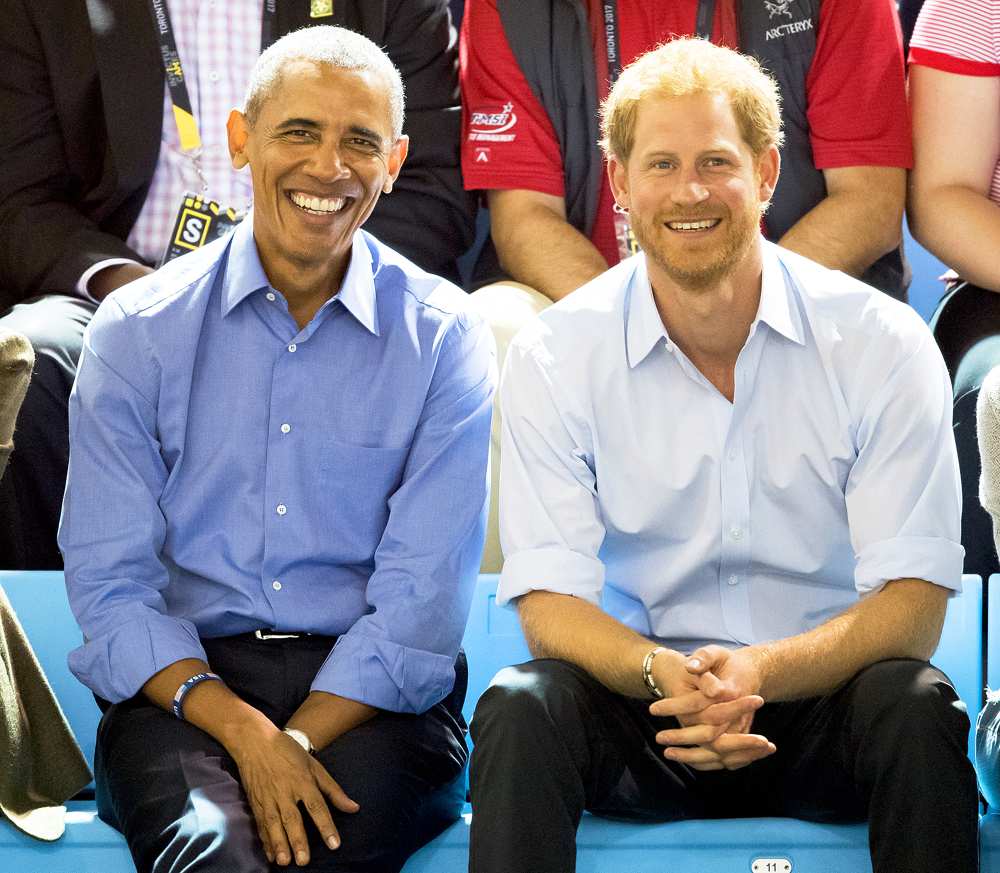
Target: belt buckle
{"type": "Point", "coordinates": [273, 635]}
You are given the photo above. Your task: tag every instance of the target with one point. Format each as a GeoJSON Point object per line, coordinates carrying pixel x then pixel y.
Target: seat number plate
{"type": "Point", "coordinates": [771, 865]}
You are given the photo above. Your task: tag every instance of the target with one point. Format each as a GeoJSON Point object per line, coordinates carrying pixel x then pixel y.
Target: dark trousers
{"type": "Point", "coordinates": [890, 746]}
{"type": "Point", "coordinates": [31, 490]}
{"type": "Point", "coordinates": [176, 796]}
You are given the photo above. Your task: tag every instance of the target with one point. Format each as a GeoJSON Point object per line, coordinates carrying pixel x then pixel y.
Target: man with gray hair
{"type": "Point", "coordinates": [276, 504]}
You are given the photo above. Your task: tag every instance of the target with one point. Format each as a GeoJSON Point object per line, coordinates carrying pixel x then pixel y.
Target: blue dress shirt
{"type": "Point", "coordinates": [832, 472]}
{"type": "Point", "coordinates": [230, 472]}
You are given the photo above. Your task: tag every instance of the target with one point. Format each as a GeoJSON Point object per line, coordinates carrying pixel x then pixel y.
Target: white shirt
{"type": "Point", "coordinates": [832, 472]}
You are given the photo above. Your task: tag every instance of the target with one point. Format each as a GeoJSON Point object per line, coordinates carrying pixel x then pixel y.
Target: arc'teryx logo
{"type": "Point", "coordinates": [778, 7]}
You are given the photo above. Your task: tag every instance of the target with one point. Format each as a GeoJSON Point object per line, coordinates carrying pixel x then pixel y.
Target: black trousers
{"type": "Point", "coordinates": [31, 490]}
{"type": "Point", "coordinates": [890, 746]}
{"type": "Point", "coordinates": [176, 796]}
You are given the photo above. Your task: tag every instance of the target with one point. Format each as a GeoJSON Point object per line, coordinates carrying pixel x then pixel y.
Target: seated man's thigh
{"type": "Point", "coordinates": [405, 772]}
{"type": "Point", "coordinates": [893, 731]}
{"type": "Point", "coordinates": [174, 793]}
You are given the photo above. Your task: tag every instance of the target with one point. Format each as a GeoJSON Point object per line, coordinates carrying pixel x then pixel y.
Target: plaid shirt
{"type": "Point", "coordinates": [218, 42]}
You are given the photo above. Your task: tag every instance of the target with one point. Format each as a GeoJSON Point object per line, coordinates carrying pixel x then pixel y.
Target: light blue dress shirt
{"type": "Point", "coordinates": [230, 472]}
{"type": "Point", "coordinates": [832, 472]}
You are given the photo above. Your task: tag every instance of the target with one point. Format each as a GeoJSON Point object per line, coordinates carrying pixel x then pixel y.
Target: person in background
{"type": "Point", "coordinates": [758, 450]}
{"type": "Point", "coordinates": [16, 360]}
{"type": "Point", "coordinates": [953, 210]}
{"type": "Point", "coordinates": [275, 505]}
{"type": "Point", "coordinates": [988, 722]}
{"type": "Point", "coordinates": [98, 146]}
{"type": "Point", "coordinates": [533, 74]}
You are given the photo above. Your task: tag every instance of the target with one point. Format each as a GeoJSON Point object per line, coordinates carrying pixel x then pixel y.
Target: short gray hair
{"type": "Point", "coordinates": [324, 44]}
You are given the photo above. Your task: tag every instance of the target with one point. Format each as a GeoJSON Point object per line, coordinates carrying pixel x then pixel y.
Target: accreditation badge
{"type": "Point", "coordinates": [199, 221]}
{"type": "Point", "coordinates": [627, 245]}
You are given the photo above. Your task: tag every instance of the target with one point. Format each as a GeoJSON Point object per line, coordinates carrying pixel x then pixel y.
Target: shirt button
{"type": "Point", "coordinates": [292, 347]}
{"type": "Point", "coordinates": [285, 428]}
{"type": "Point", "coordinates": [276, 585]}
{"type": "Point", "coordinates": [282, 509]}
{"type": "Point", "coordinates": [270, 296]}
{"type": "Point", "coordinates": [735, 533]}
{"type": "Point", "coordinates": [732, 455]}
{"type": "Point", "coordinates": [734, 580]}
{"type": "Point", "coordinates": [213, 76]}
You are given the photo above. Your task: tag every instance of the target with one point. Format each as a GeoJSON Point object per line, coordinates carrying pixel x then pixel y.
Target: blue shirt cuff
{"type": "Point", "coordinates": [117, 664]}
{"type": "Point", "coordinates": [933, 559]}
{"type": "Point", "coordinates": [385, 675]}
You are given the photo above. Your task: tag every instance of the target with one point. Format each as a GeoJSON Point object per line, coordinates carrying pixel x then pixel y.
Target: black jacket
{"type": "Point", "coordinates": [81, 110]}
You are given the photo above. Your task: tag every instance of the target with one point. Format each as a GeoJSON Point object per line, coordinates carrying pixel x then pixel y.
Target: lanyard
{"type": "Point", "coordinates": [703, 28]}
{"type": "Point", "coordinates": [187, 127]}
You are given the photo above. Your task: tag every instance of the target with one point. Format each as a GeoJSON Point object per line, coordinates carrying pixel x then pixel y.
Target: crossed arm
{"type": "Point", "coordinates": [715, 691]}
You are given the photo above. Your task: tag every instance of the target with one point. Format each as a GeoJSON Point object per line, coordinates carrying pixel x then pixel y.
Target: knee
{"type": "Point", "coordinates": [523, 698]}
{"type": "Point", "coordinates": [911, 699]}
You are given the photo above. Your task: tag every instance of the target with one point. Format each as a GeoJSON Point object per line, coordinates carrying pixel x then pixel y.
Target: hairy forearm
{"type": "Point", "coordinates": [847, 231]}
{"type": "Point", "coordinates": [903, 620]}
{"type": "Point", "coordinates": [324, 717]}
{"type": "Point", "coordinates": [962, 228]}
{"type": "Point", "coordinates": [538, 247]}
{"type": "Point", "coordinates": [574, 630]}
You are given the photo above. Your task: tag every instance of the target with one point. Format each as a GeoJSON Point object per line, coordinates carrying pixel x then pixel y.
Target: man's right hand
{"type": "Point", "coordinates": [277, 774]}
{"type": "Point", "coordinates": [714, 730]}
{"type": "Point", "coordinates": [103, 282]}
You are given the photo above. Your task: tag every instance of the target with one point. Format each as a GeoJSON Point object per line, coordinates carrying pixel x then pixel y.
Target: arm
{"type": "Point", "coordinates": [428, 216]}
{"type": "Point", "coordinates": [858, 221]}
{"type": "Point", "coordinates": [47, 242]}
{"type": "Point", "coordinates": [400, 656]}
{"type": "Point", "coordinates": [956, 138]}
{"type": "Point", "coordinates": [537, 246]}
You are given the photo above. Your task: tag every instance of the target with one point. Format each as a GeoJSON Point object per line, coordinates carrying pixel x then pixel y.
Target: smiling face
{"type": "Point", "coordinates": [694, 190]}
{"type": "Point", "coordinates": [320, 152]}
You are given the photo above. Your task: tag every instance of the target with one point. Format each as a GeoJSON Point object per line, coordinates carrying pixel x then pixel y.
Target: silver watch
{"type": "Point", "coordinates": [302, 738]}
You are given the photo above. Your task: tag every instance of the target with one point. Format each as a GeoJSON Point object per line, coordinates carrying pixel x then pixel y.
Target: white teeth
{"type": "Point", "coordinates": [315, 204]}
{"type": "Point", "coordinates": [692, 225]}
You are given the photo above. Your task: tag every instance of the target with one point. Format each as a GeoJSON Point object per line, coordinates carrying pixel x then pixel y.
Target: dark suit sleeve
{"type": "Point", "coordinates": [428, 217]}
{"type": "Point", "coordinates": [46, 241]}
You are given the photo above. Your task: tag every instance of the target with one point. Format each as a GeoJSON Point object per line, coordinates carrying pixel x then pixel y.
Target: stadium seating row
{"type": "Point", "coordinates": [493, 640]}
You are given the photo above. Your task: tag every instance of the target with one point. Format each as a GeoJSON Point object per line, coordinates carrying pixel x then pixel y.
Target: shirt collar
{"type": "Point", "coordinates": [776, 308]}
{"type": "Point", "coordinates": [645, 327]}
{"type": "Point", "coordinates": [245, 274]}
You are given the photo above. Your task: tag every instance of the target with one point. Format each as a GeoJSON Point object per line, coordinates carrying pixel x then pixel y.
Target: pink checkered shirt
{"type": "Point", "coordinates": [218, 42]}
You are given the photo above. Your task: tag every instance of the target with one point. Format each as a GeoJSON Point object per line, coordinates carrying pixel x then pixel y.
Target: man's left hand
{"type": "Point", "coordinates": [712, 739]}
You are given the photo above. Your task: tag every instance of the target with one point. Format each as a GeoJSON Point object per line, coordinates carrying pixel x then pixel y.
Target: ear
{"type": "Point", "coordinates": [394, 163]}
{"type": "Point", "coordinates": [618, 178]}
{"type": "Point", "coordinates": [238, 131]}
{"type": "Point", "coordinates": [768, 168]}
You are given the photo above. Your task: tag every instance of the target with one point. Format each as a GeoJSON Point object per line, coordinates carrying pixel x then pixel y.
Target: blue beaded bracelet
{"type": "Point", "coordinates": [182, 692]}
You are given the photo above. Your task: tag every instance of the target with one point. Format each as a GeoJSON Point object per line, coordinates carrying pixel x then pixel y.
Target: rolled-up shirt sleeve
{"type": "Point", "coordinates": [401, 655]}
{"type": "Point", "coordinates": [112, 529]}
{"type": "Point", "coordinates": [550, 524]}
{"type": "Point", "coordinates": [904, 492]}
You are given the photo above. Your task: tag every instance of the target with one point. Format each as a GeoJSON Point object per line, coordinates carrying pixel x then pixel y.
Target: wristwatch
{"type": "Point", "coordinates": [302, 738]}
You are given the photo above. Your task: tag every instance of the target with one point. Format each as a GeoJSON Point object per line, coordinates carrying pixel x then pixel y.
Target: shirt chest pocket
{"type": "Point", "coordinates": [353, 485]}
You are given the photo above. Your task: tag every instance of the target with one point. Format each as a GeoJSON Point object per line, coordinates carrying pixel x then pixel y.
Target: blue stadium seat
{"type": "Point", "coordinates": [493, 640]}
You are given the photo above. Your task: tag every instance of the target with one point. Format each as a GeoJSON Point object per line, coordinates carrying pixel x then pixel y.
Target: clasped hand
{"type": "Point", "coordinates": [714, 698]}
{"type": "Point", "coordinates": [278, 774]}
